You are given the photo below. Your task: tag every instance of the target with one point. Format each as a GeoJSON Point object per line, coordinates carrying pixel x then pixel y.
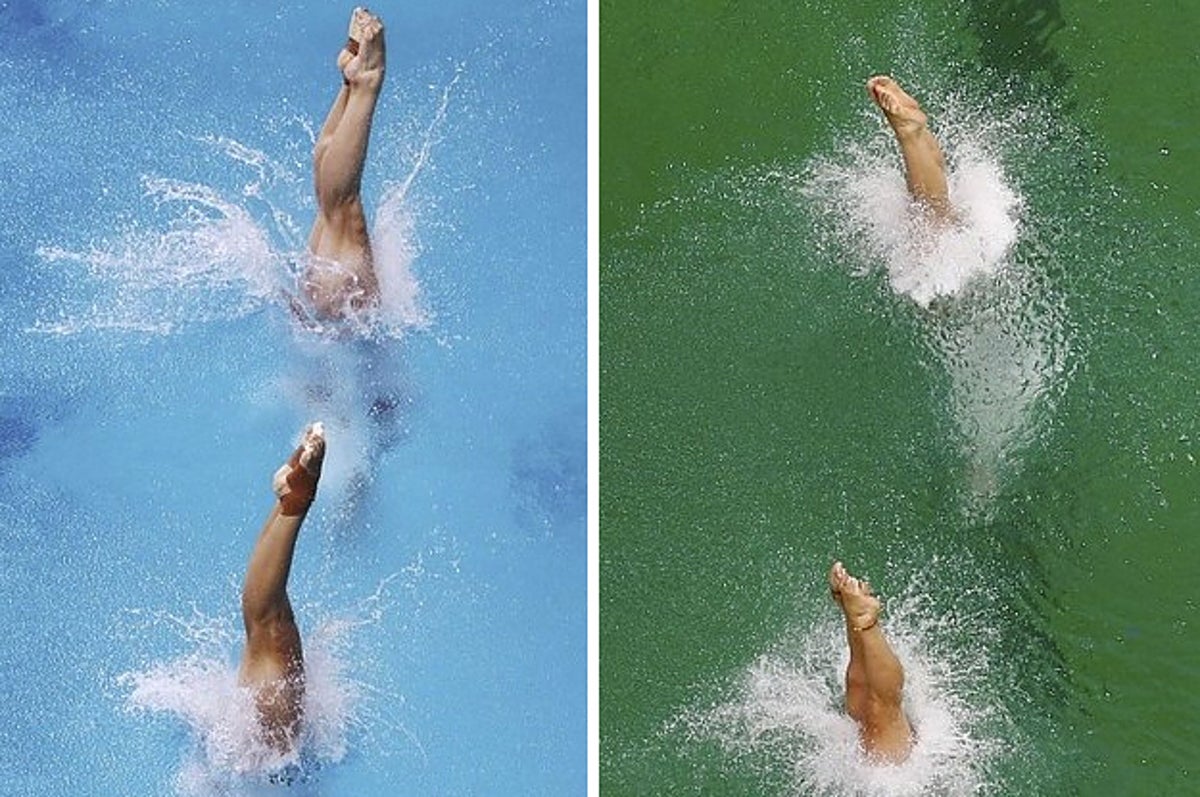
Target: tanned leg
{"type": "Point", "coordinates": [924, 163]}
{"type": "Point", "coordinates": [875, 677]}
{"type": "Point", "coordinates": [273, 662]}
{"type": "Point", "coordinates": [322, 146]}
{"type": "Point", "coordinates": [342, 277]}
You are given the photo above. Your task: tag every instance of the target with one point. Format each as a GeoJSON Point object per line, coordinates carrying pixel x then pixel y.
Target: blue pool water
{"type": "Point", "coordinates": [158, 197]}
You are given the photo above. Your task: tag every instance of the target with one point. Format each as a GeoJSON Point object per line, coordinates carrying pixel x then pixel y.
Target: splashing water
{"type": "Point", "coordinates": [223, 258]}
{"type": "Point", "coordinates": [215, 261]}
{"type": "Point", "coordinates": [864, 190]}
{"type": "Point", "coordinates": [200, 689]}
{"type": "Point", "coordinates": [394, 236]}
{"type": "Point", "coordinates": [394, 243]}
{"type": "Point", "coordinates": [997, 329]}
{"type": "Point", "coordinates": [785, 713]}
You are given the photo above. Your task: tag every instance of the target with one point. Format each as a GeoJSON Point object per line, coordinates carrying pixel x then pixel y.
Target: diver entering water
{"type": "Point", "coordinates": [273, 662]}
{"type": "Point", "coordinates": [874, 677]}
{"type": "Point", "coordinates": [924, 163]}
{"type": "Point", "coordinates": [340, 276]}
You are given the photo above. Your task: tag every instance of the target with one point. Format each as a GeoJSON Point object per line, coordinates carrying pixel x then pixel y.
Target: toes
{"type": "Point", "coordinates": [837, 576]}
{"type": "Point", "coordinates": [371, 26]}
{"type": "Point", "coordinates": [314, 445]}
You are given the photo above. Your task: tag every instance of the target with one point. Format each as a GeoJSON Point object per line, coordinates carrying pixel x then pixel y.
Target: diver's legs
{"type": "Point", "coordinates": [273, 661]}
{"type": "Point", "coordinates": [343, 277]}
{"type": "Point", "coordinates": [924, 163]}
{"type": "Point", "coordinates": [332, 119]}
{"type": "Point", "coordinates": [875, 677]}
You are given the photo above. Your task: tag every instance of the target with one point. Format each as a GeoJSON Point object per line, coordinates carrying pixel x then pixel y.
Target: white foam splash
{"type": "Point", "coordinates": [394, 243]}
{"type": "Point", "coordinates": [200, 689]}
{"type": "Point", "coordinates": [224, 256]}
{"type": "Point", "coordinates": [227, 753]}
{"type": "Point", "coordinates": [214, 261]}
{"type": "Point", "coordinates": [996, 328]}
{"type": "Point", "coordinates": [785, 712]}
{"type": "Point", "coordinates": [865, 189]}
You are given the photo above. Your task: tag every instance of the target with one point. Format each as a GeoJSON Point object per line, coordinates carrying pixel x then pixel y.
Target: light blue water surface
{"type": "Point", "coordinates": [152, 380]}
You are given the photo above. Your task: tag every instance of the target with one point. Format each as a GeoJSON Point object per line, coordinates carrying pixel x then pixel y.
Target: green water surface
{"type": "Point", "coordinates": [764, 410]}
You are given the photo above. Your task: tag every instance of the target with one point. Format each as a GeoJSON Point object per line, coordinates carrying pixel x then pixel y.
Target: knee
{"type": "Point", "coordinates": [882, 705]}
{"type": "Point", "coordinates": [272, 631]}
{"type": "Point", "coordinates": [856, 681]}
{"type": "Point", "coordinates": [266, 611]}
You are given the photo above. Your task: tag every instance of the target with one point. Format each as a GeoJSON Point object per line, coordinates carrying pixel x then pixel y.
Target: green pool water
{"type": "Point", "coordinates": [1014, 466]}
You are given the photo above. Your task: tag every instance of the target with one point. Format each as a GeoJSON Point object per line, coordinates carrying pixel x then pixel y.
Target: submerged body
{"type": "Point", "coordinates": [874, 677]}
{"type": "Point", "coordinates": [273, 661]}
{"type": "Point", "coordinates": [340, 278]}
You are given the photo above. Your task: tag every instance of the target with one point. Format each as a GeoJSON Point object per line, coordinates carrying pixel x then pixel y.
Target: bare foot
{"type": "Point", "coordinates": [902, 111]}
{"type": "Point", "coordinates": [296, 481]}
{"type": "Point", "coordinates": [854, 596]}
{"type": "Point", "coordinates": [363, 64]}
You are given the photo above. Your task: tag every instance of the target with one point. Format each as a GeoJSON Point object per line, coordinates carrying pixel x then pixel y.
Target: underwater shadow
{"type": "Point", "coordinates": [17, 435]}
{"type": "Point", "coordinates": [549, 474]}
{"type": "Point", "coordinates": [1016, 41]}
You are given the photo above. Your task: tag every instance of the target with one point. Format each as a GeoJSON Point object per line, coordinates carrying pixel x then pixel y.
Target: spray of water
{"type": "Point", "coordinates": [200, 689]}
{"type": "Point", "coordinates": [214, 261]}
{"type": "Point", "coordinates": [225, 255]}
{"type": "Point", "coordinates": [784, 711]}
{"type": "Point", "coordinates": [227, 752]}
{"type": "Point", "coordinates": [864, 191]}
{"type": "Point", "coordinates": [991, 320]}
{"type": "Point", "coordinates": [394, 233]}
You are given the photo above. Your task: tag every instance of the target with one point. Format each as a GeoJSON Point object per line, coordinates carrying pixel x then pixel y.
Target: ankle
{"type": "Point", "coordinates": [294, 504]}
{"type": "Point", "coordinates": [296, 488]}
{"type": "Point", "coordinates": [367, 79]}
{"type": "Point", "coordinates": [858, 629]}
{"type": "Point", "coordinates": [910, 131]}
{"type": "Point", "coordinates": [299, 495]}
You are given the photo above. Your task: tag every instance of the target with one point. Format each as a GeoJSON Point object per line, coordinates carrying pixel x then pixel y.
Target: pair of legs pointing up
{"type": "Point", "coordinates": [340, 278]}
{"type": "Point", "coordinates": [273, 660]}
{"type": "Point", "coordinates": [874, 677]}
